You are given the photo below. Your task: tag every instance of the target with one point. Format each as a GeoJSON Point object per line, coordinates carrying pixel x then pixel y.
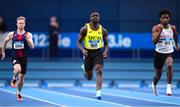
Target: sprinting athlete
{"type": "Point", "coordinates": [95, 38]}
{"type": "Point", "coordinates": [164, 36]}
{"type": "Point", "coordinates": [21, 41]}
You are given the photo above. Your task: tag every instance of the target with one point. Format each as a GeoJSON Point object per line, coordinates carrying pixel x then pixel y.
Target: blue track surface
{"type": "Point", "coordinates": [67, 72]}
{"type": "Point", "coordinates": [84, 97]}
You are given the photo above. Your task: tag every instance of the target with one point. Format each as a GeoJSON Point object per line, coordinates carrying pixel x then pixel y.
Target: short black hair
{"type": "Point", "coordinates": [94, 11]}
{"type": "Point", "coordinates": [165, 11]}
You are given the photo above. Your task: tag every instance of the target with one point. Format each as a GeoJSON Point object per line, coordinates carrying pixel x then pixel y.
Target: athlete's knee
{"type": "Point", "coordinates": [98, 68]}
{"type": "Point", "coordinates": [99, 71]}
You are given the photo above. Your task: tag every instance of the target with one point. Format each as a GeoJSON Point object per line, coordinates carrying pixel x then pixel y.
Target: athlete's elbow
{"type": "Point", "coordinates": [78, 42]}
{"type": "Point", "coordinates": [32, 46]}
{"type": "Point", "coordinates": [154, 42]}
{"type": "Point", "coordinates": [5, 41]}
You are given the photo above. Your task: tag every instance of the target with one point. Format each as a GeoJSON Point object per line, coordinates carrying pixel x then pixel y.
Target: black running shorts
{"type": "Point", "coordinates": [159, 59]}
{"type": "Point", "coordinates": [23, 63]}
{"type": "Point", "coordinates": [94, 57]}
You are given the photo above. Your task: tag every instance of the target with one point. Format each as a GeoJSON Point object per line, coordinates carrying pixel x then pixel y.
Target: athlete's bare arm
{"type": "Point", "coordinates": [105, 39]}
{"type": "Point", "coordinates": [29, 40]}
{"type": "Point", "coordinates": [6, 40]}
{"type": "Point", "coordinates": [175, 37]}
{"type": "Point", "coordinates": [81, 36]}
{"type": "Point", "coordinates": [156, 31]}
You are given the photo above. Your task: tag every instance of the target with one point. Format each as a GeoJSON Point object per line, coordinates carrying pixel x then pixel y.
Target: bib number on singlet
{"type": "Point", "coordinates": [167, 42]}
{"type": "Point", "coordinates": [93, 43]}
{"type": "Point", "coordinates": [18, 45]}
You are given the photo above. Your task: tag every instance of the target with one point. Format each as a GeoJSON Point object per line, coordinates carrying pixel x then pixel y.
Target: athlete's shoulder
{"type": "Point", "coordinates": [104, 30]}
{"type": "Point", "coordinates": [157, 27]}
{"type": "Point", "coordinates": [173, 26]}
{"type": "Point", "coordinates": [84, 28]}
{"type": "Point", "coordinates": [86, 24]}
{"type": "Point", "coordinates": [29, 34]}
{"type": "Point", "coordinates": [10, 34]}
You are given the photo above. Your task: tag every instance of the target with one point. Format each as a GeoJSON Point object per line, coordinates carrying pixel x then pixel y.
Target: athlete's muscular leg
{"type": "Point", "coordinates": [98, 69]}
{"type": "Point", "coordinates": [157, 77]}
{"type": "Point", "coordinates": [169, 62]}
{"type": "Point", "coordinates": [89, 74]}
{"type": "Point", "coordinates": [20, 82]}
{"type": "Point", "coordinates": [17, 70]}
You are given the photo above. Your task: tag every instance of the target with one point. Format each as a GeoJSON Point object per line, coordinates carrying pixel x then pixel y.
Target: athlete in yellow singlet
{"type": "Point", "coordinates": [95, 38]}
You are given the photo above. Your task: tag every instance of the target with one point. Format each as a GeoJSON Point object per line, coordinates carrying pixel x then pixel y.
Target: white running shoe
{"type": "Point", "coordinates": [168, 90]}
{"type": "Point", "coordinates": [154, 89]}
{"type": "Point", "coordinates": [83, 68]}
{"type": "Point", "coordinates": [98, 94]}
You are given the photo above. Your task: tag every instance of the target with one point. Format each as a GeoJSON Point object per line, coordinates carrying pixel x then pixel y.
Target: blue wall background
{"type": "Point", "coordinates": [116, 15]}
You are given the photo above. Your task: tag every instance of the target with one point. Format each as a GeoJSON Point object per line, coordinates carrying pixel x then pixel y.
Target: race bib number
{"type": "Point", "coordinates": [18, 45]}
{"type": "Point", "coordinates": [93, 43]}
{"type": "Point", "coordinates": [167, 42]}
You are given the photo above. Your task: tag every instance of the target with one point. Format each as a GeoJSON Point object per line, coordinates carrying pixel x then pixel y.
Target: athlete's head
{"type": "Point", "coordinates": [21, 22]}
{"type": "Point", "coordinates": [164, 16]}
{"type": "Point", "coordinates": [95, 17]}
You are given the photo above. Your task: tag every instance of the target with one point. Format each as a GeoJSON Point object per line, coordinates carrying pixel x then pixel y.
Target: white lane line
{"type": "Point", "coordinates": [128, 96]}
{"type": "Point", "coordinates": [85, 98]}
{"type": "Point", "coordinates": [8, 91]}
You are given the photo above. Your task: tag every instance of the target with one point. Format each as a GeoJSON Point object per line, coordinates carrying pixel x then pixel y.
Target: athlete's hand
{"type": "Point", "coordinates": [104, 55]}
{"type": "Point", "coordinates": [85, 52]}
{"type": "Point", "coordinates": [159, 28]}
{"type": "Point", "coordinates": [3, 55]}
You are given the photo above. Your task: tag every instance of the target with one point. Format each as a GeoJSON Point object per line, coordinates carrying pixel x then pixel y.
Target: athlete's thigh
{"type": "Point", "coordinates": [16, 65]}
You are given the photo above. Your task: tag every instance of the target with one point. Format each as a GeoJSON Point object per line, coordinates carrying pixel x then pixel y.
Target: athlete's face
{"type": "Point", "coordinates": [21, 24]}
{"type": "Point", "coordinates": [165, 19]}
{"type": "Point", "coordinates": [95, 17]}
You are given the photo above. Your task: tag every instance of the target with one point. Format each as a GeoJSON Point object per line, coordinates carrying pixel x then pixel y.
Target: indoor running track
{"type": "Point", "coordinates": [81, 97]}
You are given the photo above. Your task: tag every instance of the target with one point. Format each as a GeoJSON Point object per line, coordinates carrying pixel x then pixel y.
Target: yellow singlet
{"type": "Point", "coordinates": [94, 38]}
